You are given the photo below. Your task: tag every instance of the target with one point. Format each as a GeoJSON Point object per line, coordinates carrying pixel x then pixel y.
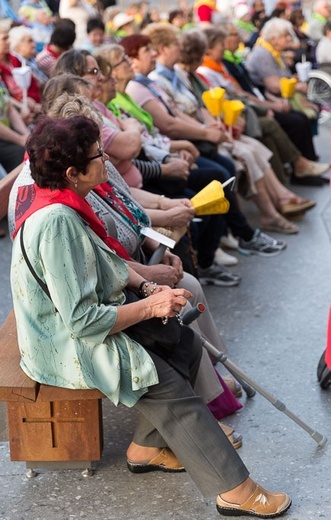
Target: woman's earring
{"type": "Point", "coordinates": [76, 184]}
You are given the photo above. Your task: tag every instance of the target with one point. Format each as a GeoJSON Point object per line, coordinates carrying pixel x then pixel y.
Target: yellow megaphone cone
{"type": "Point", "coordinates": [287, 87]}
{"type": "Point", "coordinates": [210, 200]}
{"type": "Point", "coordinates": [213, 99]}
{"type": "Point", "coordinates": [232, 109]}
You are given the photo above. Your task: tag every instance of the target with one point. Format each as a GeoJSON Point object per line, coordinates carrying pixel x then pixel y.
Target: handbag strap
{"type": "Point", "coordinates": [28, 263]}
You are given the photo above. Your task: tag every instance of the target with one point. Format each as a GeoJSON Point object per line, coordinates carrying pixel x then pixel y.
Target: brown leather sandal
{"type": "Point", "coordinates": [262, 503]}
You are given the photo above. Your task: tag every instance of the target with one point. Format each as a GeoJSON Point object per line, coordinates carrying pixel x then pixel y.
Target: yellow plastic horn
{"type": "Point", "coordinates": [210, 200]}
{"type": "Point", "coordinates": [213, 99]}
{"type": "Point", "coordinates": [232, 109]}
{"type": "Point", "coordinates": [287, 87]}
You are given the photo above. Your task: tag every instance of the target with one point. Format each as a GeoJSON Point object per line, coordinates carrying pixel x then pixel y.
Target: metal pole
{"type": "Point", "coordinates": [252, 385]}
{"type": "Point", "coordinates": [192, 315]}
{"type": "Point", "coordinates": [239, 374]}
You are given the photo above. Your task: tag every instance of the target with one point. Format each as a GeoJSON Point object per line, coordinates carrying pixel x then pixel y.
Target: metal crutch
{"type": "Point", "coordinates": [192, 315]}
{"type": "Point", "coordinates": [240, 375]}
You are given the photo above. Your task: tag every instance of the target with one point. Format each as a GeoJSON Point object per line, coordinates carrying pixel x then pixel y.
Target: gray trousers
{"type": "Point", "coordinates": [173, 415]}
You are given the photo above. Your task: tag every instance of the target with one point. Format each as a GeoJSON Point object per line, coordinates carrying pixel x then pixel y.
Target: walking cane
{"type": "Point", "coordinates": [240, 375]}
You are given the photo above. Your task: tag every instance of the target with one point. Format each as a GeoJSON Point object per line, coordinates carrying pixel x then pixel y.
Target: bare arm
{"type": "Point", "coordinates": [180, 127]}
{"type": "Point", "coordinates": [175, 217]}
{"type": "Point", "coordinates": [16, 121]}
{"type": "Point", "coordinates": [7, 134]}
{"type": "Point", "coordinates": [153, 201]}
{"type": "Point", "coordinates": [126, 145]}
{"type": "Point", "coordinates": [161, 274]}
{"type": "Point", "coordinates": [273, 85]}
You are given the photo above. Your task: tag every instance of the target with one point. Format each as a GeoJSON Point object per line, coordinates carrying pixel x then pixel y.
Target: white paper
{"type": "Point", "coordinates": [158, 237]}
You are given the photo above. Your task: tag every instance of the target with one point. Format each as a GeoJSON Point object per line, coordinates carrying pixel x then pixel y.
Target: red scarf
{"type": "Point", "coordinates": [31, 198]}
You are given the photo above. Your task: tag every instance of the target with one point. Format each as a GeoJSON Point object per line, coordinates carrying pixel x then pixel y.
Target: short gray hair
{"type": "Point", "coordinates": [275, 28]}
{"type": "Point", "coordinates": [17, 34]}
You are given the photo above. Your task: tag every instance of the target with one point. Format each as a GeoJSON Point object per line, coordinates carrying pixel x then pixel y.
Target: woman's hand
{"type": "Point", "coordinates": [167, 302]}
{"type": "Point", "coordinates": [167, 203]}
{"type": "Point", "coordinates": [176, 168]}
{"type": "Point", "coordinates": [163, 274]}
{"type": "Point", "coordinates": [131, 124]}
{"type": "Point", "coordinates": [215, 133]}
{"type": "Point", "coordinates": [187, 156]}
{"type": "Point", "coordinates": [169, 259]}
{"type": "Point", "coordinates": [184, 145]}
{"type": "Point", "coordinates": [160, 302]}
{"type": "Point", "coordinates": [179, 216]}
{"type": "Point", "coordinates": [239, 127]}
{"type": "Point", "coordinates": [281, 105]}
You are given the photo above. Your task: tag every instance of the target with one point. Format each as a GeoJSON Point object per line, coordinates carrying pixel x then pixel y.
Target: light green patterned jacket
{"type": "Point", "coordinates": [65, 342]}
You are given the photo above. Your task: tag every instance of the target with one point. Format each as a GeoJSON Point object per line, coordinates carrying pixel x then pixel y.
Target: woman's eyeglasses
{"type": "Point", "coordinates": [125, 58]}
{"type": "Point", "coordinates": [100, 153]}
{"type": "Point", "coordinates": [94, 71]}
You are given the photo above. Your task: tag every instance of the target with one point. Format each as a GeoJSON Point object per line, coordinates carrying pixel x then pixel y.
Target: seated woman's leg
{"type": "Point", "coordinates": [189, 429]}
{"type": "Point", "coordinates": [174, 416]}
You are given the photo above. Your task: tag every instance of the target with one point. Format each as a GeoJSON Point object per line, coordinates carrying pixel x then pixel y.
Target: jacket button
{"type": "Point", "coordinates": [136, 379]}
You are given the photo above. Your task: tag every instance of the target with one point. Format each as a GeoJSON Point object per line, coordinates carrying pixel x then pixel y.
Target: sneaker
{"type": "Point", "coordinates": [229, 242]}
{"type": "Point", "coordinates": [218, 275]}
{"type": "Point", "coordinates": [223, 258]}
{"type": "Point", "coordinates": [261, 245]}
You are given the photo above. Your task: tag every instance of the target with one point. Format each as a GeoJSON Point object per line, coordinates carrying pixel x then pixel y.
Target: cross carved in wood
{"type": "Point", "coordinates": [54, 421]}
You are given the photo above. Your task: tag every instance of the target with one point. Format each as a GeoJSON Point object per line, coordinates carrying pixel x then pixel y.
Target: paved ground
{"type": "Point", "coordinates": [274, 325]}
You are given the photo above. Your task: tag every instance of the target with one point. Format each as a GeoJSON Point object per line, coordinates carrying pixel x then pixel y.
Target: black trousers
{"type": "Point", "coordinates": [11, 155]}
{"type": "Point", "coordinates": [298, 128]}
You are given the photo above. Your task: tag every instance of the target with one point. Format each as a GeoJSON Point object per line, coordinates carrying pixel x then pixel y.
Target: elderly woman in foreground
{"type": "Point", "coordinates": [71, 323]}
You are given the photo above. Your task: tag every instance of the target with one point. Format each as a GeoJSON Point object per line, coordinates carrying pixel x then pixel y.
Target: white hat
{"type": "Point", "coordinates": [241, 10]}
{"type": "Point", "coordinates": [122, 19]}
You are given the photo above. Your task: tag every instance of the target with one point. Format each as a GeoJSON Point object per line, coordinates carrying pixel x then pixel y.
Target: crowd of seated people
{"type": "Point", "coordinates": [141, 78]}
{"type": "Point", "coordinates": [232, 69]}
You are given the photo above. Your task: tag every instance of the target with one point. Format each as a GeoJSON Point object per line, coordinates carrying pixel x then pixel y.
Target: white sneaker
{"type": "Point", "coordinates": [229, 242]}
{"type": "Point", "coordinates": [222, 258]}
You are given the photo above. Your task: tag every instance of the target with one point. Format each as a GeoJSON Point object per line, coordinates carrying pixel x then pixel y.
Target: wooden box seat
{"type": "Point", "coordinates": [47, 426]}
